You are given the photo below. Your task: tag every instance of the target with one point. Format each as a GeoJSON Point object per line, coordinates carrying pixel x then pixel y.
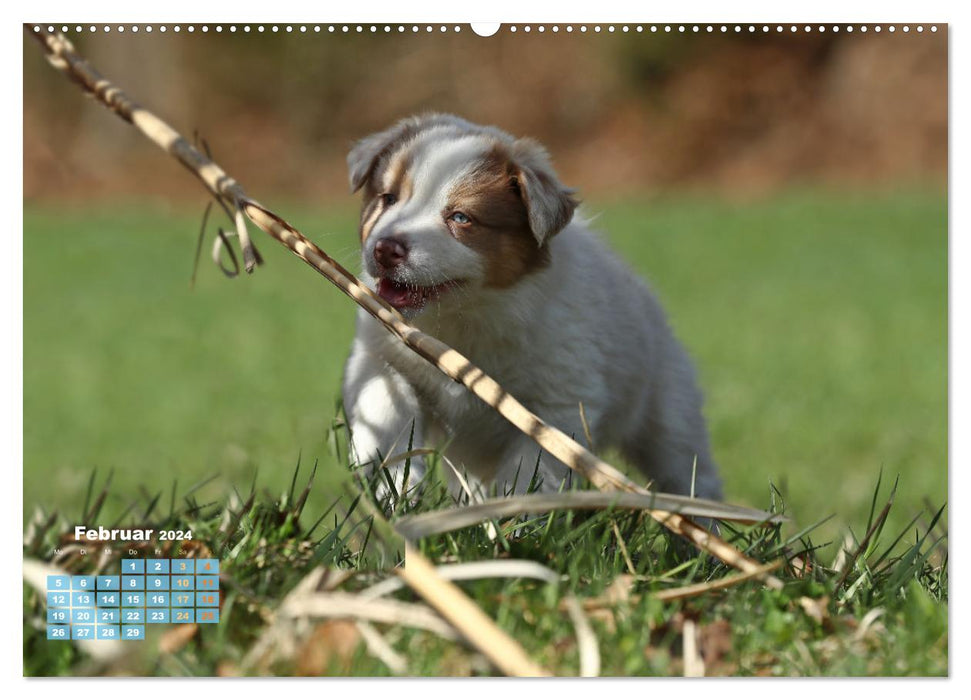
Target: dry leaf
{"type": "Point", "coordinates": [816, 608]}
{"type": "Point", "coordinates": [619, 591]}
{"type": "Point", "coordinates": [331, 644]}
{"type": "Point", "coordinates": [800, 567]}
{"type": "Point", "coordinates": [176, 638]}
{"type": "Point", "coordinates": [227, 669]}
{"type": "Point", "coordinates": [716, 645]}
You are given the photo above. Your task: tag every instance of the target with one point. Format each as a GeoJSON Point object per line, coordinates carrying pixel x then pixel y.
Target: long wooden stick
{"type": "Point", "coordinates": [452, 363]}
{"type": "Point", "coordinates": [467, 617]}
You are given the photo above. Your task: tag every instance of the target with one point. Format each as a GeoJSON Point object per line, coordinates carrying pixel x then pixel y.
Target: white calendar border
{"type": "Point", "coordinates": [602, 11]}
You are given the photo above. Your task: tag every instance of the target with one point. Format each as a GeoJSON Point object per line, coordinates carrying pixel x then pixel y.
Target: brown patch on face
{"type": "Point", "coordinates": [394, 172]}
{"type": "Point", "coordinates": [499, 229]}
{"type": "Point", "coordinates": [370, 213]}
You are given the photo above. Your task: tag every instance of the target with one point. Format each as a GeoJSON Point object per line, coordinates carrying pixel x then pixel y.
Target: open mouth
{"type": "Point", "coordinates": [409, 296]}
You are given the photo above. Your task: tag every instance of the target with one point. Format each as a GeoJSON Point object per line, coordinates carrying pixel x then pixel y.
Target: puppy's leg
{"type": "Point", "coordinates": [382, 413]}
{"type": "Point", "coordinates": [524, 463]}
{"type": "Point", "coordinates": [669, 441]}
{"type": "Point", "coordinates": [665, 434]}
{"type": "Point", "coordinates": [526, 467]}
{"type": "Point", "coordinates": [670, 459]}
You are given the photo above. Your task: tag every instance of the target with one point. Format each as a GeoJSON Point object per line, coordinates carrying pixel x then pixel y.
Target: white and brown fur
{"type": "Point", "coordinates": [528, 293]}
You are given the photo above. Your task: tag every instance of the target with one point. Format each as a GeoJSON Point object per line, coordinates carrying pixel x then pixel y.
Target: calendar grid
{"type": "Point", "coordinates": [144, 592]}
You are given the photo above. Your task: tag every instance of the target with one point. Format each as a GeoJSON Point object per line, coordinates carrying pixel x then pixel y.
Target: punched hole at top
{"type": "Point", "coordinates": [485, 28]}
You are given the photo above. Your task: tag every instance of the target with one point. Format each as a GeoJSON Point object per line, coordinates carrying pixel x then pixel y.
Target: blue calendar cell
{"type": "Point", "coordinates": [132, 632]}
{"type": "Point", "coordinates": [109, 617]}
{"type": "Point", "coordinates": [82, 599]}
{"type": "Point", "coordinates": [82, 583]}
{"type": "Point", "coordinates": [58, 583]}
{"type": "Point", "coordinates": [207, 566]}
{"type": "Point", "coordinates": [207, 599]}
{"type": "Point", "coordinates": [58, 600]}
{"type": "Point", "coordinates": [133, 583]}
{"type": "Point", "coordinates": [58, 631]}
{"type": "Point", "coordinates": [132, 616]}
{"type": "Point", "coordinates": [156, 617]}
{"type": "Point", "coordinates": [157, 600]}
{"type": "Point", "coordinates": [82, 616]}
{"type": "Point", "coordinates": [133, 600]}
{"type": "Point", "coordinates": [183, 615]}
{"type": "Point", "coordinates": [207, 583]}
{"type": "Point", "coordinates": [109, 583]}
{"type": "Point", "coordinates": [182, 583]}
{"type": "Point", "coordinates": [133, 566]}
{"type": "Point", "coordinates": [182, 566]}
{"type": "Point", "coordinates": [156, 583]}
{"type": "Point", "coordinates": [157, 566]}
{"type": "Point", "coordinates": [82, 632]}
{"type": "Point", "coordinates": [108, 599]}
{"type": "Point", "coordinates": [207, 616]}
{"type": "Point", "coordinates": [108, 631]}
{"type": "Point", "coordinates": [58, 616]}
{"type": "Point", "coordinates": [181, 600]}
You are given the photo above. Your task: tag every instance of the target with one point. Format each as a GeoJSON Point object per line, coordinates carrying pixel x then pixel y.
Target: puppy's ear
{"type": "Point", "coordinates": [366, 153]}
{"type": "Point", "coordinates": [549, 204]}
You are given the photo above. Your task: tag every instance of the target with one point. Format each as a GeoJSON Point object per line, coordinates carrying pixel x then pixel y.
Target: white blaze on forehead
{"type": "Point", "coordinates": [438, 164]}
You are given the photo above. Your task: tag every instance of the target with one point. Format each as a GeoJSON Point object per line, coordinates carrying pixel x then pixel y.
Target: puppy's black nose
{"type": "Point", "coordinates": [390, 252]}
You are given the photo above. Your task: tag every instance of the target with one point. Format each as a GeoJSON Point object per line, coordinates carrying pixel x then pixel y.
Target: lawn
{"type": "Point", "coordinates": [818, 321]}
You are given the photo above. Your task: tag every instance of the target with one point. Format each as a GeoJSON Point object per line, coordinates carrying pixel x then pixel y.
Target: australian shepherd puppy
{"type": "Point", "coordinates": [469, 233]}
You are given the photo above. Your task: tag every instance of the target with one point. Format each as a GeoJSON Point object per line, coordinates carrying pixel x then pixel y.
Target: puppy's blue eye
{"type": "Point", "coordinates": [387, 199]}
{"type": "Point", "coordinates": [460, 218]}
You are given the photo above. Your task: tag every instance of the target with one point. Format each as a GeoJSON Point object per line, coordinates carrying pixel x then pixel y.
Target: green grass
{"type": "Point", "coordinates": [887, 616]}
{"type": "Point", "coordinates": [818, 321]}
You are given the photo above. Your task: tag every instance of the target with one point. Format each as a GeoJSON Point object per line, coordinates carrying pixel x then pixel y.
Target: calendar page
{"type": "Point", "coordinates": [529, 348]}
{"type": "Point", "coordinates": [143, 592]}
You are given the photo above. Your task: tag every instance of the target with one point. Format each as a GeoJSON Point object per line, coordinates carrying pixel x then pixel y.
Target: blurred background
{"type": "Point", "coordinates": [785, 194]}
{"type": "Point", "coordinates": [621, 112]}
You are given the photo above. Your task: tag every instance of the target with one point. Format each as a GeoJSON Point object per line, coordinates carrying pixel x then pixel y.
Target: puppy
{"type": "Point", "coordinates": [469, 233]}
